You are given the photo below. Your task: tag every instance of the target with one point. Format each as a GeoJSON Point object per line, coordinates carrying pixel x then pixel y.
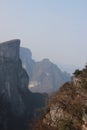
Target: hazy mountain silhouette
{"type": "Point", "coordinates": [44, 75]}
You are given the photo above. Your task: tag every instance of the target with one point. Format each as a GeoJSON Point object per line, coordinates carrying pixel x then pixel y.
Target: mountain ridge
{"type": "Point", "coordinates": [45, 76]}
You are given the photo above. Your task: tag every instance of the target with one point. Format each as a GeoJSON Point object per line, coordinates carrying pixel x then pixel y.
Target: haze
{"type": "Point", "coordinates": [55, 29]}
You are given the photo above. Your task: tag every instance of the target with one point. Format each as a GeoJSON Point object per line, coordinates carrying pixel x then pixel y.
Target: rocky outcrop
{"type": "Point", "coordinates": [67, 109]}
{"type": "Point", "coordinates": [17, 103]}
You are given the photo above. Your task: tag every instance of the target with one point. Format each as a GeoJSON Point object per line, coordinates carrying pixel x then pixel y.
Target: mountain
{"type": "Point", "coordinates": [44, 75]}
{"type": "Point", "coordinates": [17, 103]}
{"type": "Point", "coordinates": [27, 61]}
{"type": "Point", "coordinates": [67, 109]}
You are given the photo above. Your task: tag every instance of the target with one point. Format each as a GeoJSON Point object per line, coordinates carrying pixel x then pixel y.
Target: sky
{"type": "Point", "coordinates": [54, 29]}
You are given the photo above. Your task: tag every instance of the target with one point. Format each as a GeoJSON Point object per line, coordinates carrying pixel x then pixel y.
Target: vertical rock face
{"type": "Point", "coordinates": [27, 61]}
{"type": "Point", "coordinates": [16, 101]}
{"type": "Point", "coordinates": [10, 49]}
{"type": "Point", "coordinates": [11, 76]}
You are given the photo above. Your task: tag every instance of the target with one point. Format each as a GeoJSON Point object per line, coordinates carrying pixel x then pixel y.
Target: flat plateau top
{"type": "Point", "coordinates": [10, 42]}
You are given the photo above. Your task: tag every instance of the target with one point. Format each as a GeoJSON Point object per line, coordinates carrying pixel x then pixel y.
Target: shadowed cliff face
{"type": "Point", "coordinates": [17, 103]}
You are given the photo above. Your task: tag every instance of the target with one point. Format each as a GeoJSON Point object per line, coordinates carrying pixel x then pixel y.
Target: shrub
{"type": "Point", "coordinates": [77, 72]}
{"type": "Point", "coordinates": [65, 125]}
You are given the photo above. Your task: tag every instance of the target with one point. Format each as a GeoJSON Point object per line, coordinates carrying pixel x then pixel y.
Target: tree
{"type": "Point", "coordinates": [77, 72]}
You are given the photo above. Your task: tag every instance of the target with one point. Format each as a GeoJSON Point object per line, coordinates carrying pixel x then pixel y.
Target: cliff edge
{"type": "Point", "coordinates": [17, 103]}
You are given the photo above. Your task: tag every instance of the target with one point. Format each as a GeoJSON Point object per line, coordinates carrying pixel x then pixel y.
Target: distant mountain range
{"type": "Point", "coordinates": [44, 75]}
{"type": "Point", "coordinates": [68, 68]}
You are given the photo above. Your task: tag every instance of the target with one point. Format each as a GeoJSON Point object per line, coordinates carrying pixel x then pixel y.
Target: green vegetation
{"type": "Point", "coordinates": [77, 72]}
